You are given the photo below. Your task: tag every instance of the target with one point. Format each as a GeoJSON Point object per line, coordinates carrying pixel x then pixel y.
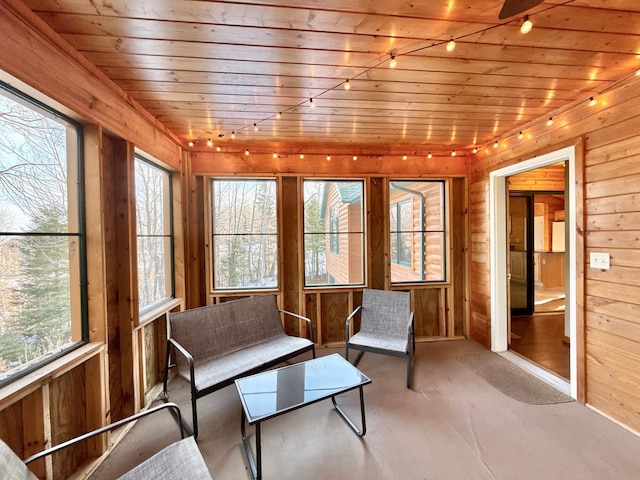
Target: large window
{"type": "Point", "coordinates": [333, 232]}
{"type": "Point", "coordinates": [417, 231]}
{"type": "Point", "coordinates": [154, 232]}
{"type": "Point", "coordinates": [42, 298]}
{"type": "Point", "coordinates": [244, 234]}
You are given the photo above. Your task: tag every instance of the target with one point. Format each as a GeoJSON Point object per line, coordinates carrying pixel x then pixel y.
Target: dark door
{"type": "Point", "coordinates": [520, 237]}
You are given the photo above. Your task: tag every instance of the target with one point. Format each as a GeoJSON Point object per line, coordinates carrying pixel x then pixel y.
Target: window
{"type": "Point", "coordinates": [244, 234]}
{"type": "Point", "coordinates": [42, 265]}
{"type": "Point", "coordinates": [333, 232]}
{"type": "Point", "coordinates": [154, 230]}
{"type": "Point", "coordinates": [417, 231]}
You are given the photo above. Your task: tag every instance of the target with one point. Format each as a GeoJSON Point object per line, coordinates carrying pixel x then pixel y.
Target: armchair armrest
{"type": "Point", "coordinates": [300, 317]}
{"type": "Point", "coordinates": [185, 354]}
{"type": "Point", "coordinates": [348, 322]}
{"type": "Point", "coordinates": [106, 428]}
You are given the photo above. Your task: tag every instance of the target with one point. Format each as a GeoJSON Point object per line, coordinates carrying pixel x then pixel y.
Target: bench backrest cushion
{"type": "Point", "coordinates": [214, 330]}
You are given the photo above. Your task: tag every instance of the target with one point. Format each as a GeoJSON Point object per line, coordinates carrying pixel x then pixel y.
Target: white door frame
{"type": "Point", "coordinates": [498, 243]}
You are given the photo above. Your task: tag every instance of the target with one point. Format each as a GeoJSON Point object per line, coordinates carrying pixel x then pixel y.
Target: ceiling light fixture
{"type": "Point", "coordinates": [209, 143]}
{"type": "Point", "coordinates": [191, 143]}
{"type": "Point", "coordinates": [275, 154]}
{"type": "Point", "coordinates": [592, 102]}
{"type": "Point", "coordinates": [451, 46]}
{"type": "Point", "coordinates": [520, 135]}
{"type": "Point", "coordinates": [495, 144]}
{"type": "Point", "coordinates": [311, 104]}
{"type": "Point", "coordinates": [393, 62]}
{"type": "Point", "coordinates": [328, 158]}
{"type": "Point", "coordinates": [453, 153]}
{"type": "Point", "coordinates": [233, 135]}
{"type": "Point", "coordinates": [355, 157]}
{"type": "Point", "coordinates": [475, 150]}
{"type": "Point", "coordinates": [347, 85]}
{"type": "Point", "coordinates": [218, 148]}
{"type": "Point", "coordinates": [301, 156]}
{"type": "Point", "coordinates": [246, 152]}
{"type": "Point", "coordinates": [279, 115]}
{"type": "Point", "coordinates": [526, 25]}
{"type": "Point", "coordinates": [404, 157]}
{"type": "Point", "coordinates": [550, 121]}
{"type": "Point", "coordinates": [255, 127]}
{"type": "Point", "coordinates": [429, 155]}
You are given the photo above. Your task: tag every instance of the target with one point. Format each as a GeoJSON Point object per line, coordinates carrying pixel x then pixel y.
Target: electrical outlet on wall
{"type": "Point", "coordinates": [599, 260]}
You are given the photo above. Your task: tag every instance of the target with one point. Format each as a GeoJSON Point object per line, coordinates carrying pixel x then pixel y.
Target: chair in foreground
{"type": "Point", "coordinates": [386, 327]}
{"type": "Point", "coordinates": [182, 459]}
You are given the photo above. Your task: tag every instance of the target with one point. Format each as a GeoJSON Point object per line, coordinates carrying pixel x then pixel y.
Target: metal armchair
{"type": "Point", "coordinates": [386, 327]}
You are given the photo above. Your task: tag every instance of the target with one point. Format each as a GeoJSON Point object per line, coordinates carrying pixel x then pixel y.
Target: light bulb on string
{"type": "Point", "coordinates": [550, 121]}
{"type": "Point", "coordinates": [255, 127]}
{"type": "Point", "coordinates": [279, 115]}
{"type": "Point", "coordinates": [404, 157]}
{"type": "Point", "coordinates": [328, 158]}
{"type": "Point", "coordinates": [191, 143]}
{"type": "Point", "coordinates": [355, 157]}
{"type": "Point", "coordinates": [347, 85]}
{"type": "Point", "coordinates": [209, 143]}
{"type": "Point", "coordinates": [246, 152]}
{"type": "Point", "coordinates": [429, 155]}
{"type": "Point", "coordinates": [453, 153]}
{"type": "Point", "coordinates": [520, 136]}
{"type": "Point", "coordinates": [275, 154]}
{"type": "Point", "coordinates": [592, 102]}
{"type": "Point", "coordinates": [526, 25]}
{"type": "Point", "coordinates": [301, 156]}
{"type": "Point", "coordinates": [495, 144]}
{"type": "Point", "coordinates": [311, 104]}
{"type": "Point", "coordinates": [451, 46]}
{"type": "Point", "coordinates": [393, 62]}
{"type": "Point", "coordinates": [233, 135]}
{"type": "Point", "coordinates": [218, 148]}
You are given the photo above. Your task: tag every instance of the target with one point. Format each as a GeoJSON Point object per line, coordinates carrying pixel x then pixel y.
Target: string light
{"type": "Point", "coordinates": [218, 148]}
{"type": "Point", "coordinates": [191, 143]}
{"type": "Point", "coordinates": [301, 156]}
{"type": "Point", "coordinates": [311, 104]}
{"type": "Point", "coordinates": [328, 158]}
{"type": "Point", "coordinates": [526, 25]}
{"type": "Point", "coordinates": [355, 157]}
{"type": "Point", "coordinates": [453, 153]}
{"type": "Point", "coordinates": [475, 150]}
{"type": "Point", "coordinates": [451, 46]}
{"type": "Point", "coordinates": [520, 135]}
{"type": "Point", "coordinates": [275, 154]}
{"type": "Point", "coordinates": [495, 145]}
{"type": "Point", "coordinates": [347, 85]}
{"type": "Point", "coordinates": [429, 155]}
{"type": "Point", "coordinates": [393, 62]}
{"type": "Point", "coordinates": [255, 127]}
{"type": "Point", "coordinates": [233, 135]}
{"type": "Point", "coordinates": [404, 157]}
{"type": "Point", "coordinates": [209, 143]}
{"type": "Point", "coordinates": [246, 152]}
{"type": "Point", "coordinates": [592, 102]}
{"type": "Point", "coordinates": [279, 115]}
{"type": "Point", "coordinates": [550, 121]}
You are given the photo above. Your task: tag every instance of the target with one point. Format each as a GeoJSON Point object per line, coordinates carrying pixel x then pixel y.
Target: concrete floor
{"type": "Point", "coordinates": [452, 425]}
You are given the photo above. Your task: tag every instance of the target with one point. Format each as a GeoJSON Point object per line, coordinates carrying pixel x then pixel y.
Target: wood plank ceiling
{"type": "Point", "coordinates": [206, 69]}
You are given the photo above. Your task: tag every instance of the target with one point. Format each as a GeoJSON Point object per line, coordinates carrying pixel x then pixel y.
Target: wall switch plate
{"type": "Point", "coordinates": [599, 260]}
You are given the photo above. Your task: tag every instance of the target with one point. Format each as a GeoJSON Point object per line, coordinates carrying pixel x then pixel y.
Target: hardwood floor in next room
{"type": "Point", "coordinates": [540, 338]}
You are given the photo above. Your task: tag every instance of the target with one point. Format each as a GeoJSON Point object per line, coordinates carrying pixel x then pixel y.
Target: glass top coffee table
{"type": "Point", "coordinates": [275, 392]}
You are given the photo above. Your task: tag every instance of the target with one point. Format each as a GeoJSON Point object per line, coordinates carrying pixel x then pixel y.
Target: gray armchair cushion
{"type": "Point", "coordinates": [181, 460]}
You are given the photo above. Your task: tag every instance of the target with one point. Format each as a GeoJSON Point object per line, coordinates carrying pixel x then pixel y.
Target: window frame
{"type": "Point", "coordinates": [81, 285]}
{"type": "Point", "coordinates": [169, 263]}
{"type": "Point", "coordinates": [211, 258]}
{"type": "Point", "coordinates": [444, 232]}
{"type": "Point", "coordinates": [330, 234]}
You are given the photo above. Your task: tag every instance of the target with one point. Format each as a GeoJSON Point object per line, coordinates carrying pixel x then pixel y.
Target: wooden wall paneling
{"type": "Point", "coordinates": [312, 311]}
{"type": "Point", "coordinates": [580, 227]}
{"type": "Point", "coordinates": [179, 203]}
{"type": "Point", "coordinates": [199, 235]}
{"type": "Point", "coordinates": [37, 430]}
{"type": "Point", "coordinates": [376, 233]}
{"type": "Point", "coordinates": [67, 397]}
{"type": "Point", "coordinates": [334, 310]}
{"type": "Point", "coordinates": [457, 305]}
{"type": "Point", "coordinates": [11, 427]}
{"type": "Point", "coordinates": [90, 93]}
{"type": "Point", "coordinates": [149, 355]}
{"type": "Point", "coordinates": [127, 276]}
{"type": "Point", "coordinates": [290, 254]}
{"type": "Point", "coordinates": [356, 302]}
{"type": "Point", "coordinates": [96, 402]}
{"type": "Point", "coordinates": [427, 311]}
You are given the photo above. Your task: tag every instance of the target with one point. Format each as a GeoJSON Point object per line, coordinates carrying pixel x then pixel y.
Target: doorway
{"type": "Point", "coordinates": [499, 266]}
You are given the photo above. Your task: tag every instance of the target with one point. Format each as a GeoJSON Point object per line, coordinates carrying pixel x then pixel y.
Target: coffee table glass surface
{"type": "Point", "coordinates": [275, 392]}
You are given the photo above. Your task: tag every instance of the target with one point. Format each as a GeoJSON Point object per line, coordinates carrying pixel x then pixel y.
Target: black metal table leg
{"type": "Point", "coordinates": [346, 418]}
{"type": "Point", "coordinates": [255, 466]}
